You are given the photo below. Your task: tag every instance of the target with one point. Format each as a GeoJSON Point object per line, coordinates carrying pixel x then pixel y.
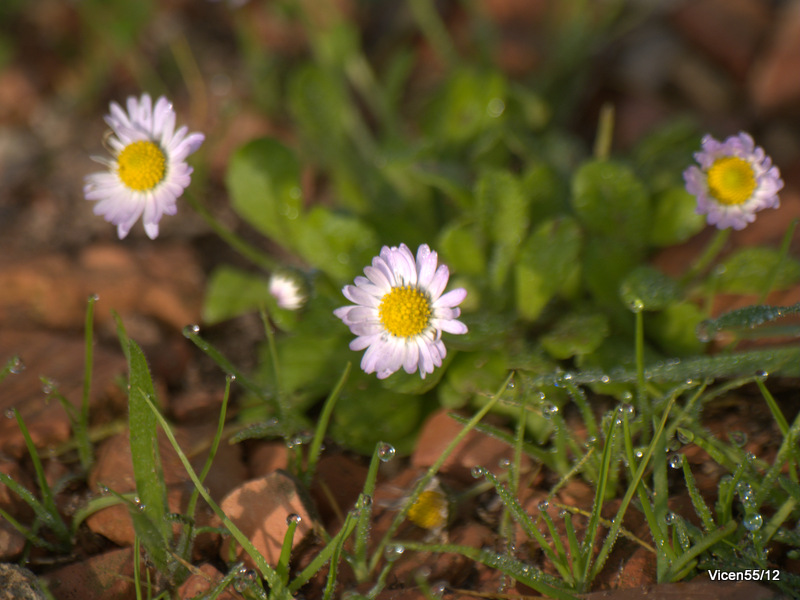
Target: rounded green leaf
{"type": "Point", "coordinates": [263, 181]}
{"type": "Point", "coordinates": [646, 288]}
{"type": "Point", "coordinates": [610, 201]}
{"type": "Point", "coordinates": [674, 218]}
{"type": "Point", "coordinates": [575, 334]}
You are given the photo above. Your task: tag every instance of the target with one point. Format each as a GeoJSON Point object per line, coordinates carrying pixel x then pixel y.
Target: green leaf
{"type": "Point", "coordinates": [545, 261]}
{"type": "Point", "coordinates": [674, 218]}
{"type": "Point", "coordinates": [611, 202]}
{"type": "Point", "coordinates": [231, 292]}
{"type": "Point", "coordinates": [674, 329]}
{"type": "Point", "coordinates": [576, 334]}
{"type": "Point", "coordinates": [338, 244]}
{"type": "Point", "coordinates": [319, 104]}
{"type": "Point", "coordinates": [748, 317]}
{"type": "Point", "coordinates": [371, 414]}
{"type": "Point", "coordinates": [460, 249]}
{"type": "Point", "coordinates": [606, 262]}
{"type": "Point", "coordinates": [546, 191]}
{"type": "Point", "coordinates": [747, 271]}
{"type": "Point", "coordinates": [504, 207]}
{"type": "Point", "coordinates": [462, 109]}
{"type": "Point", "coordinates": [646, 288]}
{"type": "Point", "coordinates": [263, 180]}
{"type": "Point", "coordinates": [147, 471]}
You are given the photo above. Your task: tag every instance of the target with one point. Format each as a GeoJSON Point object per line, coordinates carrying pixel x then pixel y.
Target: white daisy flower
{"type": "Point", "coordinates": [286, 292]}
{"type": "Point", "coordinates": [400, 312]}
{"type": "Point", "coordinates": [148, 171]}
{"type": "Point", "coordinates": [735, 180]}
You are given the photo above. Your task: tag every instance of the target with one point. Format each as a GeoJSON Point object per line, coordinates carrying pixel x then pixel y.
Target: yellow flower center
{"type": "Point", "coordinates": [405, 311]}
{"type": "Point", "coordinates": [141, 165]}
{"type": "Point", "coordinates": [731, 180]}
{"type": "Point", "coordinates": [430, 510]}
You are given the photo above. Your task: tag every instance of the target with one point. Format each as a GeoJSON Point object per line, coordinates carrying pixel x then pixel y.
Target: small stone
{"type": "Point", "coordinates": [100, 577]}
{"type": "Point", "coordinates": [202, 582]}
{"type": "Point", "coordinates": [18, 583]}
{"type": "Point", "coordinates": [259, 508]}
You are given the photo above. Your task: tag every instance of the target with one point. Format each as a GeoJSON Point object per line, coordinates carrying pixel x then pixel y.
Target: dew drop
{"type": "Point", "coordinates": [676, 460]}
{"type": "Point", "coordinates": [504, 463]}
{"type": "Point", "coordinates": [605, 379]}
{"type": "Point", "coordinates": [702, 332]}
{"type": "Point", "coordinates": [191, 330]}
{"type": "Point", "coordinates": [549, 410]}
{"type": "Point", "coordinates": [638, 452]}
{"type": "Point", "coordinates": [543, 505]}
{"type": "Point", "coordinates": [669, 518]}
{"type": "Point", "coordinates": [753, 522]}
{"type": "Point", "coordinates": [293, 518]}
{"type": "Point", "coordinates": [636, 305]}
{"type": "Point", "coordinates": [511, 385]}
{"type": "Point", "coordinates": [231, 377]}
{"type": "Point", "coordinates": [761, 374]}
{"type": "Point", "coordinates": [478, 471]}
{"type": "Point", "coordinates": [495, 107]}
{"type": "Point", "coordinates": [393, 551]}
{"type": "Point", "coordinates": [15, 365]}
{"type": "Point", "coordinates": [685, 436]}
{"type": "Point", "coordinates": [386, 452]}
{"type": "Point", "coordinates": [9, 413]}
{"type": "Point", "coordinates": [738, 438]}
{"type": "Point", "coordinates": [365, 501]}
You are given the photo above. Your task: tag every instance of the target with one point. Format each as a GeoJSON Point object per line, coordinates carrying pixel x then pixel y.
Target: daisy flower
{"type": "Point", "coordinates": [286, 292]}
{"type": "Point", "coordinates": [400, 312]}
{"type": "Point", "coordinates": [735, 180]}
{"type": "Point", "coordinates": [148, 170]}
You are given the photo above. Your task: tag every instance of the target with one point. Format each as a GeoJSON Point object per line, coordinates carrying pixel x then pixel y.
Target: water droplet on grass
{"type": "Point", "coordinates": [386, 452]}
{"type": "Point", "coordinates": [738, 438]}
{"type": "Point", "coordinates": [676, 461]}
{"type": "Point", "coordinates": [669, 518]}
{"type": "Point", "coordinates": [753, 522]}
{"type": "Point", "coordinates": [478, 471]}
{"type": "Point", "coordinates": [685, 436]}
{"type": "Point", "coordinates": [549, 410]}
{"type": "Point", "coordinates": [393, 551]}
{"type": "Point", "coordinates": [543, 505]}
{"type": "Point", "coordinates": [15, 365]}
{"type": "Point", "coordinates": [293, 518]}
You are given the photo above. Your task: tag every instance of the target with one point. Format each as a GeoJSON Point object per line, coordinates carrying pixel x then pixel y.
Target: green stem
{"type": "Point", "coordinates": [423, 482]}
{"type": "Point", "coordinates": [234, 241]}
{"type": "Point", "coordinates": [433, 28]}
{"type": "Point", "coordinates": [709, 254]}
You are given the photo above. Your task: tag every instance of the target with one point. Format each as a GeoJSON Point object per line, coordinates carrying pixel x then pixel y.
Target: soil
{"type": "Point", "coordinates": [731, 64]}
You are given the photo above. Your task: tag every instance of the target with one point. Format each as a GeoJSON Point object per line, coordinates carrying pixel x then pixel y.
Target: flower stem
{"type": "Point", "coordinates": [709, 254]}
{"type": "Point", "coordinates": [237, 243]}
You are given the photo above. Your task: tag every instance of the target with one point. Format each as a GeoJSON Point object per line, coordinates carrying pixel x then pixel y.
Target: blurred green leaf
{"type": "Point", "coordinates": [748, 317]}
{"type": "Point", "coordinates": [471, 375]}
{"type": "Point", "coordinates": [674, 329]}
{"type": "Point", "coordinates": [611, 202]}
{"type": "Point", "coordinates": [464, 106]}
{"type": "Point", "coordinates": [460, 249]}
{"type": "Point", "coordinates": [674, 217]}
{"type": "Point", "coordinates": [263, 180]}
{"type": "Point", "coordinates": [747, 271]}
{"type": "Point", "coordinates": [319, 104]}
{"type": "Point", "coordinates": [576, 333]}
{"type": "Point", "coordinates": [606, 261]}
{"type": "Point", "coordinates": [647, 288]}
{"type": "Point", "coordinates": [547, 192]}
{"type": "Point", "coordinates": [546, 258]}
{"type": "Point", "coordinates": [371, 414]}
{"type": "Point", "coordinates": [231, 292]}
{"type": "Point", "coordinates": [503, 206]}
{"type": "Point", "coordinates": [338, 244]}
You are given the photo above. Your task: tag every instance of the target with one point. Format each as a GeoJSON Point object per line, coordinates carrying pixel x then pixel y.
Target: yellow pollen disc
{"type": "Point", "coordinates": [141, 165]}
{"type": "Point", "coordinates": [430, 510]}
{"type": "Point", "coordinates": [731, 180]}
{"type": "Point", "coordinates": [405, 311]}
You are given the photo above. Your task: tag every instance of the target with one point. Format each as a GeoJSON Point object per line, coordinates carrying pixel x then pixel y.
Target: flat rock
{"type": "Point", "coordinates": [260, 509]}
{"type": "Point", "coordinates": [100, 577]}
{"type": "Point", "coordinates": [18, 583]}
{"type": "Point", "coordinates": [114, 469]}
